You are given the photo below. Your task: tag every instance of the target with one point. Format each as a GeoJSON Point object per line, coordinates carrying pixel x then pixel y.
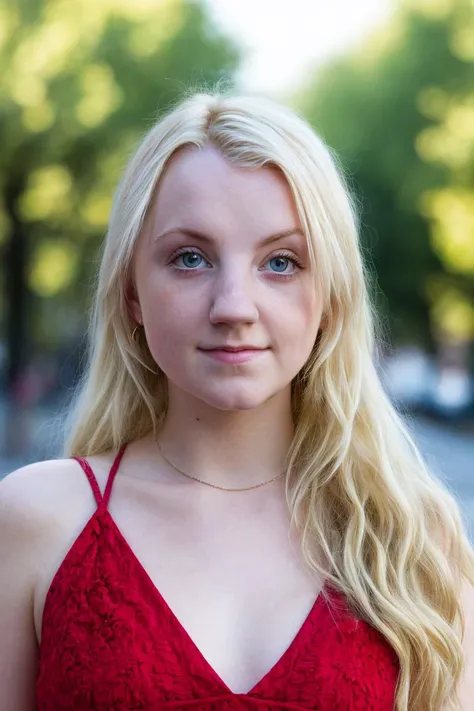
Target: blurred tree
{"type": "Point", "coordinates": [81, 82]}
{"type": "Point", "coordinates": [400, 114]}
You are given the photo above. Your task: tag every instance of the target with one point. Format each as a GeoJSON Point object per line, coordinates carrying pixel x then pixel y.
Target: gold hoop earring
{"type": "Point", "coordinates": [134, 332]}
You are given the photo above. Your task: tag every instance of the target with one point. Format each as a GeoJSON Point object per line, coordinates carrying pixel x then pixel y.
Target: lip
{"type": "Point", "coordinates": [234, 356]}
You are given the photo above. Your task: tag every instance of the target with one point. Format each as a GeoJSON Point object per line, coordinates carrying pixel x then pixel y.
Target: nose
{"type": "Point", "coordinates": [233, 299]}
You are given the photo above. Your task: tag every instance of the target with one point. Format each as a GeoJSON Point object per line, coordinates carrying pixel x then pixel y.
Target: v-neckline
{"type": "Point", "coordinates": [289, 652]}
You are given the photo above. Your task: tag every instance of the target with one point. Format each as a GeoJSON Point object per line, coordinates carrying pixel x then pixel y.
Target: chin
{"type": "Point", "coordinates": [236, 401]}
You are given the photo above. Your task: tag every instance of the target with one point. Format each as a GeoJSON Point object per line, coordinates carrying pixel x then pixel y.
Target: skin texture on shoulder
{"type": "Point", "coordinates": [42, 508]}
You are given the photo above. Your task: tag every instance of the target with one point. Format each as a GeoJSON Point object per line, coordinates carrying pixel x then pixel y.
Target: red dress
{"type": "Point", "coordinates": [111, 643]}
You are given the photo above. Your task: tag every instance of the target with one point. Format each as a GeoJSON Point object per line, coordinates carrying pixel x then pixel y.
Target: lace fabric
{"type": "Point", "coordinates": [110, 642]}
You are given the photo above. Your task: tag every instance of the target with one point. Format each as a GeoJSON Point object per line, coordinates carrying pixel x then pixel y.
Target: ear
{"type": "Point", "coordinates": [133, 304]}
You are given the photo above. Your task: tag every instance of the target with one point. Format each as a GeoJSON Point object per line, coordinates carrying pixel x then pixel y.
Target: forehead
{"type": "Point", "coordinates": [201, 186]}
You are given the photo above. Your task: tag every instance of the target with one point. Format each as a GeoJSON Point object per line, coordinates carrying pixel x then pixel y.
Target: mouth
{"type": "Point", "coordinates": [234, 355]}
{"type": "Point", "coordinates": [233, 349]}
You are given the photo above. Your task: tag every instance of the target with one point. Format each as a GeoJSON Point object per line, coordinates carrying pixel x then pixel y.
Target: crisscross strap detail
{"type": "Point", "coordinates": [102, 500]}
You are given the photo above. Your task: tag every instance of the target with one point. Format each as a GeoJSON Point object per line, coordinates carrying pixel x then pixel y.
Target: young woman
{"type": "Point", "coordinates": [241, 520]}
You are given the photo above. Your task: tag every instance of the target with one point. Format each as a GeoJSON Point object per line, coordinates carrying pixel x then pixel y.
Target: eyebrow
{"type": "Point", "coordinates": [195, 234]}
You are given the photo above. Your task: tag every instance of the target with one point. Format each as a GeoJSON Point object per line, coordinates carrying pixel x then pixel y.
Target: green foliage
{"type": "Point", "coordinates": [400, 114]}
{"type": "Point", "coordinates": [81, 82]}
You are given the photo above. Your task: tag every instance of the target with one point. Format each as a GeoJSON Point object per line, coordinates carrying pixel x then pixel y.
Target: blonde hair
{"type": "Point", "coordinates": [373, 521]}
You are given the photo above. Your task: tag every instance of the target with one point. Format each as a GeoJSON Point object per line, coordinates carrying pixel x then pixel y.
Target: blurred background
{"type": "Point", "coordinates": [389, 84]}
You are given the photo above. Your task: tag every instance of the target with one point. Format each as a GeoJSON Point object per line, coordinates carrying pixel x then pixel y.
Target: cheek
{"type": "Point", "coordinates": [302, 319]}
{"type": "Point", "coordinates": [160, 304]}
{"type": "Point", "coordinates": [170, 320]}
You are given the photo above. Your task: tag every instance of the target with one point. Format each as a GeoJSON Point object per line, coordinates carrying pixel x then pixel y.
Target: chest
{"type": "Point", "coordinates": [163, 611]}
{"type": "Point", "coordinates": [232, 578]}
{"type": "Point", "coordinates": [112, 641]}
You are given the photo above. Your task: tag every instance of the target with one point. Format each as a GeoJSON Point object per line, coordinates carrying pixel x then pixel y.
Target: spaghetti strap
{"type": "Point", "coordinates": [102, 501]}
{"type": "Point", "coordinates": [113, 472]}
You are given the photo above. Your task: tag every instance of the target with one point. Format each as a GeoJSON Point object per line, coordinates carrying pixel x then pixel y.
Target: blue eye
{"type": "Point", "coordinates": [280, 263]}
{"type": "Point", "coordinates": [190, 260]}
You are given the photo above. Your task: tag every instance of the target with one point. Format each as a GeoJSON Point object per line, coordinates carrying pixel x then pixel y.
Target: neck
{"type": "Point", "coordinates": [237, 448]}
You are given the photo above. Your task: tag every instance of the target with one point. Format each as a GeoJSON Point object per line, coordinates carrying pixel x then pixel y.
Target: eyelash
{"type": "Point", "coordinates": [187, 250]}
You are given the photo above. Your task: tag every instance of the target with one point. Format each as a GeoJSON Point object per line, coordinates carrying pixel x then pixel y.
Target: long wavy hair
{"type": "Point", "coordinates": [372, 520]}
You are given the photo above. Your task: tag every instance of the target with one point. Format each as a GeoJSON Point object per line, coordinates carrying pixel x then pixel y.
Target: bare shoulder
{"type": "Point", "coordinates": [43, 501]}
{"type": "Point", "coordinates": [33, 493]}
{"type": "Point", "coordinates": [34, 512]}
{"type": "Point", "coordinates": [35, 503]}
{"type": "Point", "coordinates": [43, 508]}
{"type": "Point", "coordinates": [26, 491]}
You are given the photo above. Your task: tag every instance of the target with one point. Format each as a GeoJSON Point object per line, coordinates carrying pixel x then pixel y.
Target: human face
{"type": "Point", "coordinates": [209, 282]}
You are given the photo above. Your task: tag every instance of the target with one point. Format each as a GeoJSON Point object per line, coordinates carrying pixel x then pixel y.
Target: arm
{"type": "Point", "coordinates": [18, 644]}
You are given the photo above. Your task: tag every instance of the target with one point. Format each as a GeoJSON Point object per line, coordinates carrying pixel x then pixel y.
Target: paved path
{"type": "Point", "coordinates": [450, 454]}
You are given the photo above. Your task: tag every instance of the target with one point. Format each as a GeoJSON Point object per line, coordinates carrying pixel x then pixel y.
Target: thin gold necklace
{"type": "Point", "coordinates": [214, 486]}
